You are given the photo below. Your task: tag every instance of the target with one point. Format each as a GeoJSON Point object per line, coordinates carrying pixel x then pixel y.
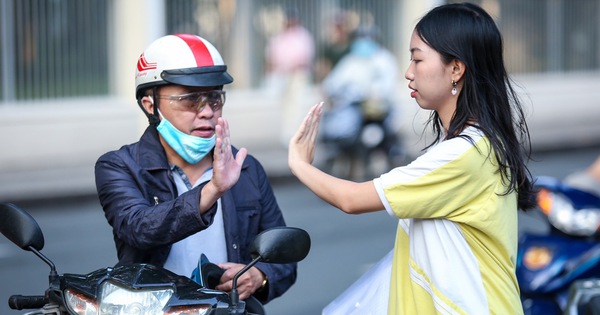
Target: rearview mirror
{"type": "Point", "coordinates": [278, 245]}
{"type": "Point", "coordinates": [281, 245]}
{"type": "Point", "coordinates": [20, 227]}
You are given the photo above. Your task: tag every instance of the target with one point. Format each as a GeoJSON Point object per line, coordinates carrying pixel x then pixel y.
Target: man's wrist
{"type": "Point", "coordinates": [208, 197]}
{"type": "Point", "coordinates": [264, 284]}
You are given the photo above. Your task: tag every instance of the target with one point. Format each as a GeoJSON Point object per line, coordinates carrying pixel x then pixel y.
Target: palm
{"type": "Point", "coordinates": [226, 167]}
{"type": "Point", "coordinates": [302, 145]}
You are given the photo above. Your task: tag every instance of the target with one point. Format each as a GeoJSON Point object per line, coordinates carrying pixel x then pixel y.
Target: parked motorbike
{"type": "Point", "coordinates": [139, 288]}
{"type": "Point", "coordinates": [557, 271]}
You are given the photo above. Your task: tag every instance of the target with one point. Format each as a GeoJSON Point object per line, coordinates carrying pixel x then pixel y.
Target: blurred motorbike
{"type": "Point", "coordinates": [141, 288]}
{"type": "Point", "coordinates": [361, 131]}
{"type": "Point", "coordinates": [359, 123]}
{"type": "Point", "coordinates": [559, 271]}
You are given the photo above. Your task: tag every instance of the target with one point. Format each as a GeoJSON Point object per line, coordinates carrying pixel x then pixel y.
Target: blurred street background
{"type": "Point", "coordinates": [67, 96]}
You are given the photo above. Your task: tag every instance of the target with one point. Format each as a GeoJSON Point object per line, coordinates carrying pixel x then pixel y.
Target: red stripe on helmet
{"type": "Point", "coordinates": [143, 64]}
{"type": "Point", "coordinates": [200, 51]}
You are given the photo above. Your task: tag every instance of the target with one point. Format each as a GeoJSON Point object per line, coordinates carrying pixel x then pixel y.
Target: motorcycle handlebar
{"type": "Point", "coordinates": [19, 302]}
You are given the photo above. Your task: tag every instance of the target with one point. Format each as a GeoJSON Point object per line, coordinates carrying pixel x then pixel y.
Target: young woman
{"type": "Point", "coordinates": [456, 242]}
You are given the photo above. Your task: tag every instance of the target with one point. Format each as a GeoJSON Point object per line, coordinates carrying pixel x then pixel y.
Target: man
{"type": "Point", "coordinates": [182, 190]}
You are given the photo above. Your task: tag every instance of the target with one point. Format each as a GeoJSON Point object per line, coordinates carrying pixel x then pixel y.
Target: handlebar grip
{"type": "Point", "coordinates": [19, 302]}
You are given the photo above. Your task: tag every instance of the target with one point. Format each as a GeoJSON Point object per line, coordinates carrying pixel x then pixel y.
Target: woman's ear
{"type": "Point", "coordinates": [458, 70]}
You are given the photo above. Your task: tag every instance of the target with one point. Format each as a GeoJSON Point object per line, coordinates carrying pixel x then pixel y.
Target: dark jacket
{"type": "Point", "coordinates": [139, 197]}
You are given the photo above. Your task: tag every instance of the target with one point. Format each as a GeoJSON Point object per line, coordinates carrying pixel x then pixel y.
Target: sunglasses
{"type": "Point", "coordinates": [196, 101]}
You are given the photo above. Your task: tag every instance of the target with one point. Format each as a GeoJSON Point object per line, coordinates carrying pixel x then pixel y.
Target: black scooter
{"type": "Point", "coordinates": [139, 288]}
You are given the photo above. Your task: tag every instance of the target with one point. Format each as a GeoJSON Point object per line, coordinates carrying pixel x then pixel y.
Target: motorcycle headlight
{"type": "Point", "coordinates": [188, 310]}
{"type": "Point", "coordinates": [563, 216]}
{"type": "Point", "coordinates": [116, 300]}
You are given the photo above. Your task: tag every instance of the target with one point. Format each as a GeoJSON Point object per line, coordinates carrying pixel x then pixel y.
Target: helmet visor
{"type": "Point", "coordinates": [204, 76]}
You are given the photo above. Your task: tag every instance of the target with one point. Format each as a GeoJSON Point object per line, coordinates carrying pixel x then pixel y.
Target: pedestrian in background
{"type": "Point", "coordinates": [289, 57]}
{"type": "Point", "coordinates": [335, 46]}
{"type": "Point", "coordinates": [587, 179]}
{"type": "Point", "coordinates": [457, 203]}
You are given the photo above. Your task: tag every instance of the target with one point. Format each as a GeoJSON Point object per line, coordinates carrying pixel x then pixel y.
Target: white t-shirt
{"type": "Point", "coordinates": [184, 255]}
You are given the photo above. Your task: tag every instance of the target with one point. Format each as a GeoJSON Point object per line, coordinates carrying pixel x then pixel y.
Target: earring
{"type": "Point", "coordinates": [454, 88]}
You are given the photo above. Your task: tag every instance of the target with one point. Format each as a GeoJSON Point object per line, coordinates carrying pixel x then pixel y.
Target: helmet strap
{"type": "Point", "coordinates": [153, 119]}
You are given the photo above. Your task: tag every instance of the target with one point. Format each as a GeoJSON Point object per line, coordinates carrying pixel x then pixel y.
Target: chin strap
{"type": "Point", "coordinates": [153, 119]}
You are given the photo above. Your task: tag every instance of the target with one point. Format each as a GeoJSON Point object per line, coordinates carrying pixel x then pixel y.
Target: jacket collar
{"type": "Point", "coordinates": [151, 155]}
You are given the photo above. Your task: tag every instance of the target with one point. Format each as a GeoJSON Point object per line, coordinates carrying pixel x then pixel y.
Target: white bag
{"type": "Point", "coordinates": [368, 295]}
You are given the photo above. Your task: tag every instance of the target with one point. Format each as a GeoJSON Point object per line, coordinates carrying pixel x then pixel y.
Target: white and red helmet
{"type": "Point", "coordinates": [182, 59]}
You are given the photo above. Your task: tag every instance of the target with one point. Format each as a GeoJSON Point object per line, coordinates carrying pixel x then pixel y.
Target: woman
{"type": "Point", "coordinates": [456, 242]}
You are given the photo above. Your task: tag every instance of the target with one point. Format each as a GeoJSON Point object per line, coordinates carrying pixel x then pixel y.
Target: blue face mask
{"type": "Point", "coordinates": [190, 148]}
{"type": "Point", "coordinates": [364, 47]}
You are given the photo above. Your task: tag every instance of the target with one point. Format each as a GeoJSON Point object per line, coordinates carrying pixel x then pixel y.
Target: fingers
{"type": "Point", "coordinates": [309, 127]}
{"type": "Point", "coordinates": [219, 143]}
{"type": "Point", "coordinates": [241, 156]}
{"type": "Point", "coordinates": [222, 131]}
{"type": "Point", "coordinates": [315, 117]}
{"type": "Point", "coordinates": [245, 285]}
{"type": "Point", "coordinates": [253, 275]}
{"type": "Point", "coordinates": [223, 143]}
{"type": "Point", "coordinates": [226, 134]}
{"type": "Point", "coordinates": [227, 265]}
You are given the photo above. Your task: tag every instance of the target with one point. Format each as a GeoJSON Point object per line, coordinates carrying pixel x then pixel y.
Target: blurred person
{"type": "Point", "coordinates": [457, 204]}
{"type": "Point", "coordinates": [335, 46]}
{"type": "Point", "coordinates": [587, 179]}
{"type": "Point", "coordinates": [361, 92]}
{"type": "Point", "coordinates": [183, 190]}
{"type": "Point", "coordinates": [289, 60]}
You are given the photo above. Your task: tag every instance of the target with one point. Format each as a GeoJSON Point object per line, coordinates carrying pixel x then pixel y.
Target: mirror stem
{"type": "Point", "coordinates": [234, 296]}
{"type": "Point", "coordinates": [53, 274]}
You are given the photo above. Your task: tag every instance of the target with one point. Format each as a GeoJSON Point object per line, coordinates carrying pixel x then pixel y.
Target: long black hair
{"type": "Point", "coordinates": [487, 101]}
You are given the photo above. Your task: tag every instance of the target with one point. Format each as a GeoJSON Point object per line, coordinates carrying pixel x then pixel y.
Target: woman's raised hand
{"type": "Point", "coordinates": [302, 144]}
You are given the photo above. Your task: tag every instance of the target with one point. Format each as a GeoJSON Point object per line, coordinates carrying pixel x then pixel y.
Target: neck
{"type": "Point", "coordinates": [445, 114]}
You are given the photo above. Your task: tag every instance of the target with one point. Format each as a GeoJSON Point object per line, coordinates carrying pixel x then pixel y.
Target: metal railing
{"type": "Point", "coordinates": [55, 49]}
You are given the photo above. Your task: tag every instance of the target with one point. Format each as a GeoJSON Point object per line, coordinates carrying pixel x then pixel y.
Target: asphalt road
{"type": "Point", "coordinates": [78, 240]}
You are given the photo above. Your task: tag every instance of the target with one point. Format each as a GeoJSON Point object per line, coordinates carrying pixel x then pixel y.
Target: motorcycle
{"type": "Point", "coordinates": [359, 131]}
{"type": "Point", "coordinates": [359, 123]}
{"type": "Point", "coordinates": [558, 271]}
{"type": "Point", "coordinates": [140, 288]}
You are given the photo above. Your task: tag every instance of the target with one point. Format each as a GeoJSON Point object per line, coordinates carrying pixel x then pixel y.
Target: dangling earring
{"type": "Point", "coordinates": [454, 88]}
